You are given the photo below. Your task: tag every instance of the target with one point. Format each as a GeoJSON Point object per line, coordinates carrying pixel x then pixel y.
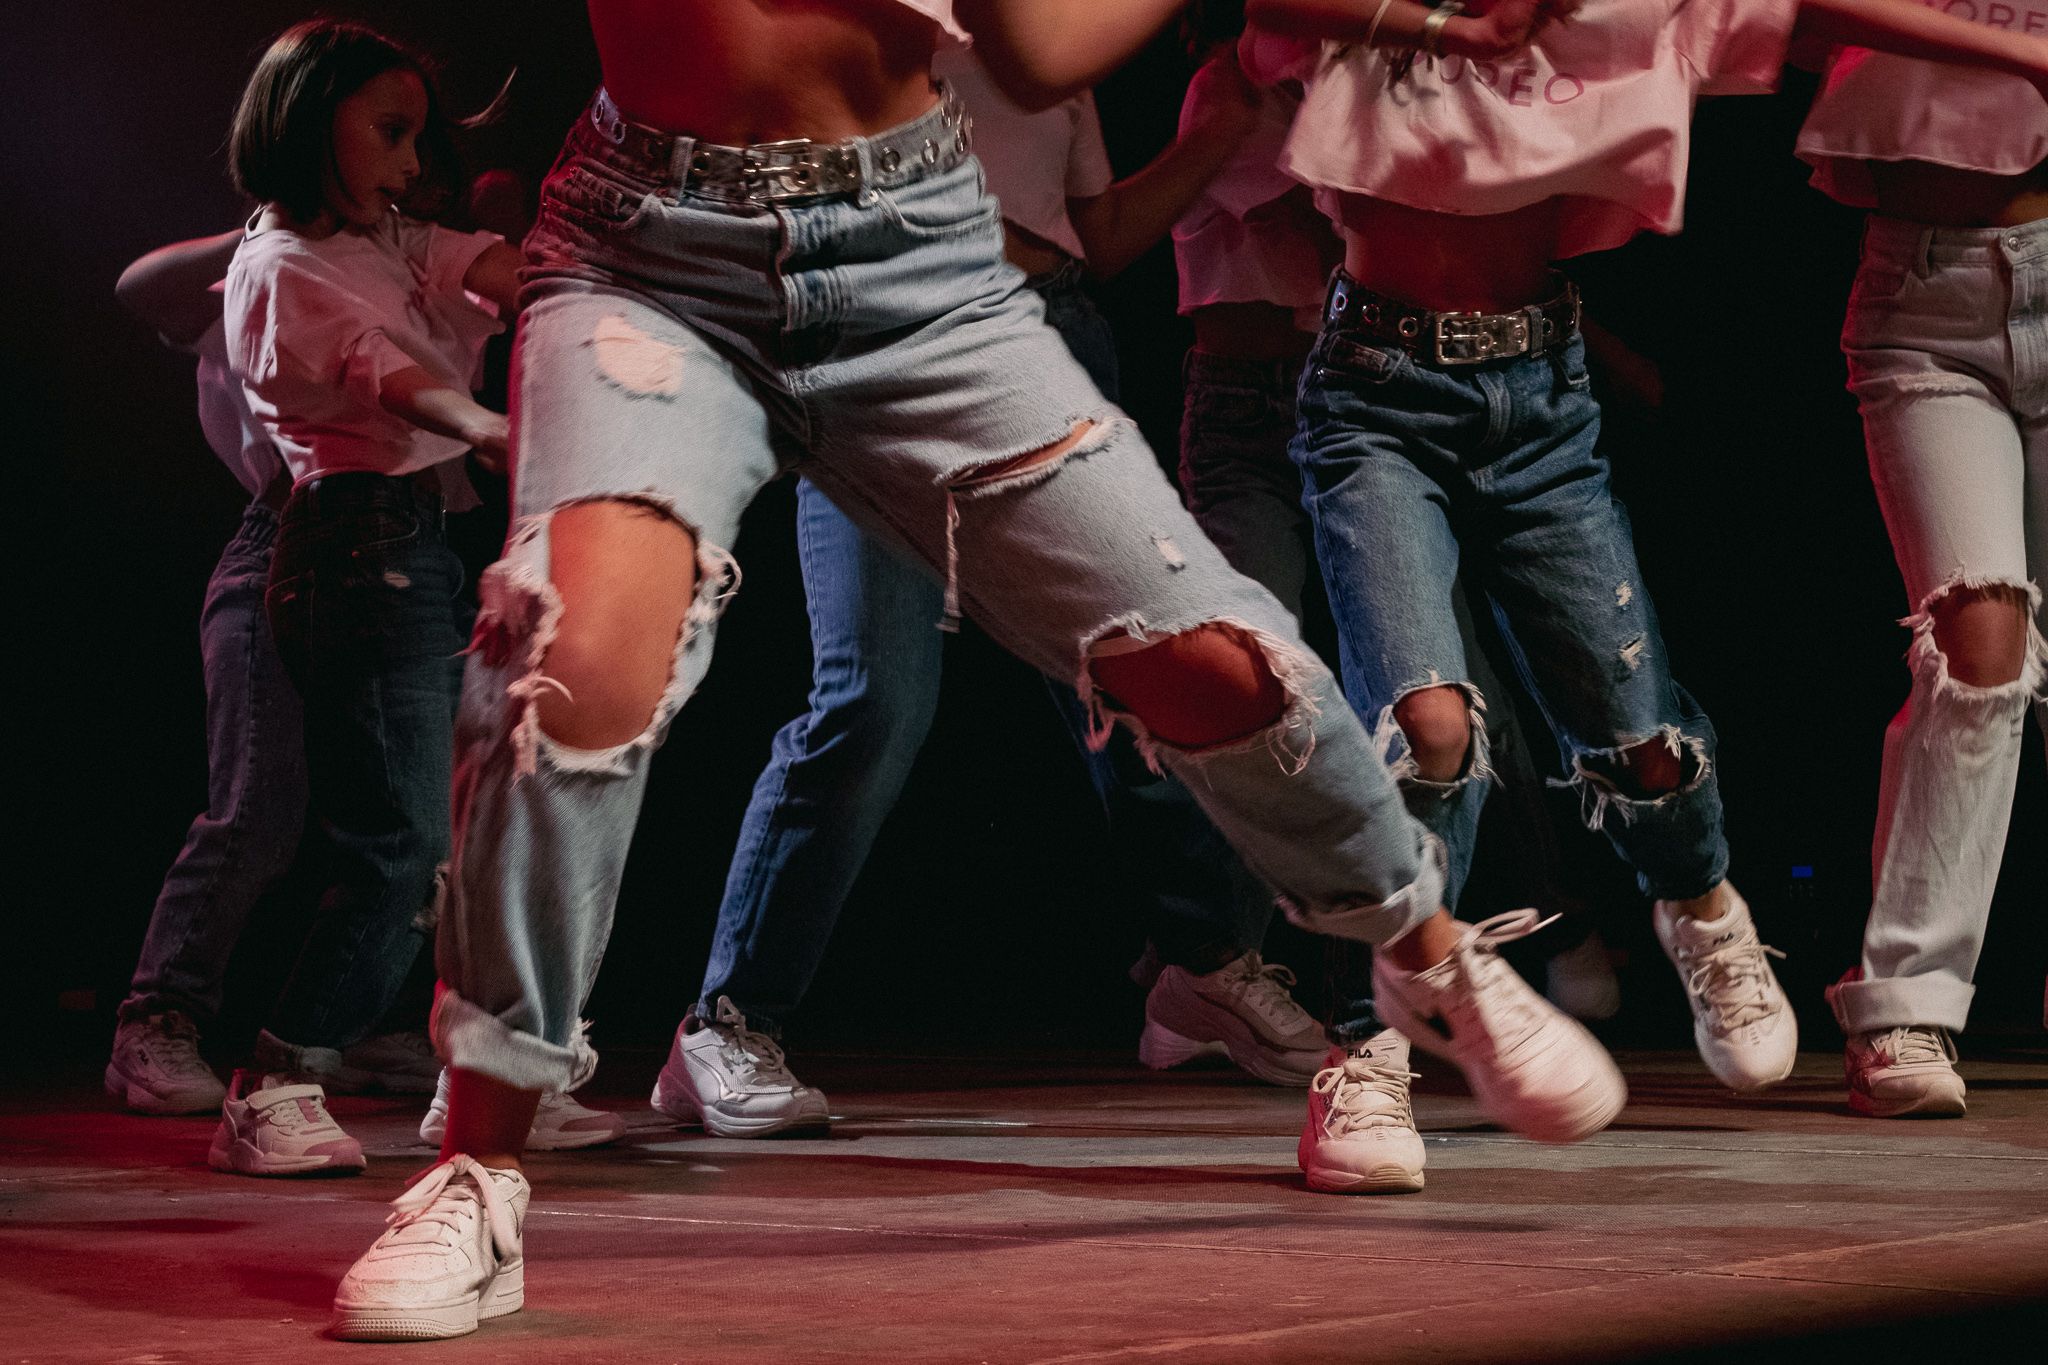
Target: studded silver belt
{"type": "Point", "coordinates": [797, 168]}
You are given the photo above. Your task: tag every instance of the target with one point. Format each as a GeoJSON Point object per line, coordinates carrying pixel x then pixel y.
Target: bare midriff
{"type": "Point", "coordinates": [1942, 196]}
{"type": "Point", "coordinates": [1249, 331]}
{"type": "Point", "coordinates": [736, 72]}
{"type": "Point", "coordinates": [1451, 262]}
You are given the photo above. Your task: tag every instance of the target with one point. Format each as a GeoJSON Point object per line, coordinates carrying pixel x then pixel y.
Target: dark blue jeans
{"type": "Point", "coordinates": [835, 772]}
{"type": "Point", "coordinates": [1415, 475]}
{"type": "Point", "coordinates": [255, 791]}
{"type": "Point", "coordinates": [364, 604]}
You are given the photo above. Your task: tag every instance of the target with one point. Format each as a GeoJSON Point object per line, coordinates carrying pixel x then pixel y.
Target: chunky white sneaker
{"type": "Point", "coordinates": [400, 1063]}
{"type": "Point", "coordinates": [1905, 1072]}
{"type": "Point", "coordinates": [1242, 1010]}
{"type": "Point", "coordinates": [1581, 981]}
{"type": "Point", "coordinates": [559, 1125]}
{"type": "Point", "coordinates": [1532, 1068]}
{"type": "Point", "coordinates": [271, 1127]}
{"type": "Point", "coordinates": [1741, 1020]}
{"type": "Point", "coordinates": [451, 1258]}
{"type": "Point", "coordinates": [156, 1067]}
{"type": "Point", "coordinates": [1360, 1136]}
{"type": "Point", "coordinates": [734, 1081]}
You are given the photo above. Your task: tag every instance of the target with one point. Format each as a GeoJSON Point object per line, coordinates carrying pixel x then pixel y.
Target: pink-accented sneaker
{"type": "Point", "coordinates": [1360, 1135]}
{"type": "Point", "coordinates": [559, 1124]}
{"type": "Point", "coordinates": [1532, 1068]}
{"type": "Point", "coordinates": [271, 1127]}
{"type": "Point", "coordinates": [452, 1257]}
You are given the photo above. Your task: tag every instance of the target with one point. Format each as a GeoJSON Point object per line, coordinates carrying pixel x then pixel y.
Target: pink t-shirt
{"type": "Point", "coordinates": [315, 326]}
{"type": "Point", "coordinates": [231, 429]}
{"type": "Point", "coordinates": [1254, 236]}
{"type": "Point", "coordinates": [1597, 113]}
{"type": "Point", "coordinates": [1034, 162]}
{"type": "Point", "coordinates": [1878, 107]}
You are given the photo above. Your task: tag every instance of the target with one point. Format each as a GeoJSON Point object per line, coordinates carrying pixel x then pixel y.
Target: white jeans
{"type": "Point", "coordinates": [1947, 343]}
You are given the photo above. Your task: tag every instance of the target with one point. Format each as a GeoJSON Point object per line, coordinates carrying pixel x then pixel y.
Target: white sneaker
{"type": "Point", "coordinates": [1904, 1072]}
{"type": "Point", "coordinates": [451, 1258]}
{"type": "Point", "coordinates": [399, 1063]}
{"type": "Point", "coordinates": [1243, 1010]}
{"type": "Point", "coordinates": [1360, 1136]}
{"type": "Point", "coordinates": [156, 1067]}
{"type": "Point", "coordinates": [1581, 981]}
{"type": "Point", "coordinates": [1742, 1022]}
{"type": "Point", "coordinates": [559, 1125]}
{"type": "Point", "coordinates": [734, 1081]}
{"type": "Point", "coordinates": [271, 1127]}
{"type": "Point", "coordinates": [1532, 1068]}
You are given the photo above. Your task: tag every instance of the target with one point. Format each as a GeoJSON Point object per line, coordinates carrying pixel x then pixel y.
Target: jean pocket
{"type": "Point", "coordinates": [589, 193]}
{"type": "Point", "coordinates": [948, 205]}
{"type": "Point", "coordinates": [1230, 409]}
{"type": "Point", "coordinates": [1357, 361]}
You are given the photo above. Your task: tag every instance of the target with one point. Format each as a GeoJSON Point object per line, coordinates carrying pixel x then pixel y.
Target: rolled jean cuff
{"type": "Point", "coordinates": [473, 1039]}
{"type": "Point", "coordinates": [1935, 1000]}
{"type": "Point", "coordinates": [1383, 921]}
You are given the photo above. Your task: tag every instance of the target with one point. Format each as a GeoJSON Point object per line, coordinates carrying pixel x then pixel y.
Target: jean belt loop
{"type": "Point", "coordinates": [680, 150]}
{"type": "Point", "coordinates": [1923, 256]}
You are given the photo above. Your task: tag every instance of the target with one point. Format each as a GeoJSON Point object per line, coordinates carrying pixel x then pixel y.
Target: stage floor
{"type": "Point", "coordinates": [1073, 1207]}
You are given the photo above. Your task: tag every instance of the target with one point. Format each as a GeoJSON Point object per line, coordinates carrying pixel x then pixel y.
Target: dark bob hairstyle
{"type": "Point", "coordinates": [281, 145]}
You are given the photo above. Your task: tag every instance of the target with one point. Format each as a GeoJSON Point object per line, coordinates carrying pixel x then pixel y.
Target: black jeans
{"type": "Point", "coordinates": [363, 603]}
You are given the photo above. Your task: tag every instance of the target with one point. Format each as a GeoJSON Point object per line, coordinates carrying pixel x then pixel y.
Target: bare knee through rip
{"type": "Point", "coordinates": [1982, 632]}
{"type": "Point", "coordinates": [1436, 723]}
{"type": "Point", "coordinates": [626, 573]}
{"type": "Point", "coordinates": [1206, 686]}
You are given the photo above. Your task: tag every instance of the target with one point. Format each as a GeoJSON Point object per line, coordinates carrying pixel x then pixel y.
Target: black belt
{"type": "Point", "coordinates": [1452, 338]}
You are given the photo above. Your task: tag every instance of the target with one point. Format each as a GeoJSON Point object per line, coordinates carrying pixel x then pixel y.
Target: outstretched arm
{"type": "Point", "coordinates": [1041, 51]}
{"type": "Point", "coordinates": [494, 275]}
{"type": "Point", "coordinates": [171, 288]}
{"type": "Point", "coordinates": [417, 396]}
{"type": "Point", "coordinates": [1913, 30]}
{"type": "Point", "coordinates": [1124, 221]}
{"type": "Point", "coordinates": [1505, 28]}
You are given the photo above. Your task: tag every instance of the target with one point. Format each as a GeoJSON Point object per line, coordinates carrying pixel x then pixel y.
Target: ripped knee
{"type": "Point", "coordinates": [1195, 689]}
{"type": "Point", "coordinates": [1437, 727]}
{"type": "Point", "coordinates": [597, 637]}
{"type": "Point", "coordinates": [1982, 631]}
{"type": "Point", "coordinates": [1645, 773]}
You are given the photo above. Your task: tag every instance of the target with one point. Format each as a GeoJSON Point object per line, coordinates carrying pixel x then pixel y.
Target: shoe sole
{"type": "Point", "coordinates": [685, 1110]}
{"type": "Point", "coordinates": [139, 1100]}
{"type": "Point", "coordinates": [1919, 1107]}
{"type": "Point", "coordinates": [504, 1295]}
{"type": "Point", "coordinates": [1381, 1180]}
{"type": "Point", "coordinates": [239, 1158]}
{"type": "Point", "coordinates": [1161, 1049]}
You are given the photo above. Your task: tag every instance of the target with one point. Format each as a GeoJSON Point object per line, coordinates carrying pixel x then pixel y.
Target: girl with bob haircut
{"type": "Point", "coordinates": [354, 324]}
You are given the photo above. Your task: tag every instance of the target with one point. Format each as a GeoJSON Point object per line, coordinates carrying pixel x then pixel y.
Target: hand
{"type": "Point", "coordinates": [1505, 29]}
{"type": "Point", "coordinates": [491, 437]}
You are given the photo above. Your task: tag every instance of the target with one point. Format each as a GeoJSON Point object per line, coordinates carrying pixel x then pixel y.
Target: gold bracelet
{"type": "Point", "coordinates": [1431, 39]}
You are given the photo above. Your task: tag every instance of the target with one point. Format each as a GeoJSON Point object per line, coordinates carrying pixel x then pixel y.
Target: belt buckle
{"type": "Point", "coordinates": [792, 162]}
{"type": "Point", "coordinates": [1475, 338]}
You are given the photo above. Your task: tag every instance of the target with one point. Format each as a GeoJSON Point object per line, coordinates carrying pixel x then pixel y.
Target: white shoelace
{"type": "Point", "coordinates": [751, 1051]}
{"type": "Point", "coordinates": [1914, 1045]}
{"type": "Point", "coordinates": [1364, 1093]}
{"type": "Point", "coordinates": [173, 1044]}
{"type": "Point", "coordinates": [1501, 1007]}
{"type": "Point", "coordinates": [1267, 988]}
{"type": "Point", "coordinates": [442, 1210]}
{"type": "Point", "coordinates": [1732, 979]}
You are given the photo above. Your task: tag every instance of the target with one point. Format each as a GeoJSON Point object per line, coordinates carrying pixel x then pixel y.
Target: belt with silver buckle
{"type": "Point", "coordinates": [1451, 339]}
{"type": "Point", "coordinates": [796, 168]}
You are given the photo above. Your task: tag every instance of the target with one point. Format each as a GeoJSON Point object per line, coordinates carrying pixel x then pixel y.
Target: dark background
{"type": "Point", "coordinates": [987, 914]}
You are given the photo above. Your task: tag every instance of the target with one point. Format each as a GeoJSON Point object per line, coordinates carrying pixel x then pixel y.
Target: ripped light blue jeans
{"type": "Point", "coordinates": [1947, 342]}
{"type": "Point", "coordinates": [681, 350]}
